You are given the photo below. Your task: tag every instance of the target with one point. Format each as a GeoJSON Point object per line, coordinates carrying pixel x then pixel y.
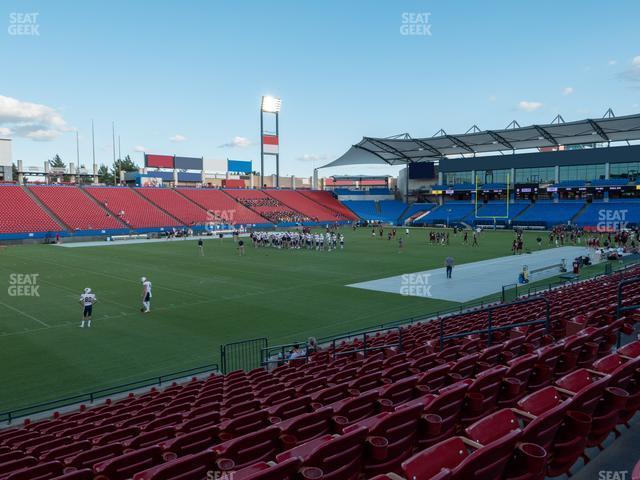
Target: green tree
{"type": "Point", "coordinates": [123, 165]}
{"type": "Point", "coordinates": [104, 175]}
{"type": "Point", "coordinates": [14, 172]}
{"type": "Point", "coordinates": [57, 162]}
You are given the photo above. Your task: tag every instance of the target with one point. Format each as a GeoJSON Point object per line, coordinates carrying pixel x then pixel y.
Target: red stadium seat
{"type": "Point", "coordinates": [600, 400]}
{"type": "Point", "coordinates": [482, 395]}
{"type": "Point", "coordinates": [125, 466]}
{"type": "Point", "coordinates": [85, 474]}
{"type": "Point", "coordinates": [42, 471]}
{"type": "Point", "coordinates": [20, 213]}
{"type": "Point", "coordinates": [193, 442]}
{"type": "Point", "coordinates": [305, 427]}
{"type": "Point", "coordinates": [194, 466]}
{"type": "Point", "coordinates": [90, 457]}
{"type": "Point", "coordinates": [391, 438]}
{"type": "Point", "coordinates": [286, 470]}
{"type": "Point", "coordinates": [243, 451]}
{"type": "Point", "coordinates": [330, 457]}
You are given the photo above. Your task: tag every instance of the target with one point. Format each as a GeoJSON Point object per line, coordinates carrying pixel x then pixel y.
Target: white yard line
{"type": "Point", "coordinates": [25, 314]}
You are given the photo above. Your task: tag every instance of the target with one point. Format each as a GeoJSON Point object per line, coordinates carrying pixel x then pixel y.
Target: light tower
{"type": "Point", "coordinates": [269, 142]}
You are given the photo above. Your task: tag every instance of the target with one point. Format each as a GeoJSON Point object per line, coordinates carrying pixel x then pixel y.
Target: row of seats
{"type": "Point", "coordinates": [614, 215]}
{"type": "Point", "coordinates": [381, 211]}
{"type": "Point", "coordinates": [75, 208]}
{"type": "Point", "coordinates": [376, 423]}
{"type": "Point", "coordinates": [448, 213]}
{"type": "Point", "coordinates": [545, 214]}
{"type": "Point", "coordinates": [107, 208]}
{"type": "Point", "coordinates": [542, 396]}
{"type": "Point", "coordinates": [306, 206]}
{"type": "Point", "coordinates": [223, 207]}
{"type": "Point", "coordinates": [415, 210]}
{"type": "Point", "coordinates": [20, 213]}
{"type": "Point", "coordinates": [549, 214]}
{"type": "Point", "coordinates": [270, 207]}
{"type": "Point", "coordinates": [131, 208]}
{"type": "Point", "coordinates": [327, 200]}
{"type": "Point", "coordinates": [177, 205]}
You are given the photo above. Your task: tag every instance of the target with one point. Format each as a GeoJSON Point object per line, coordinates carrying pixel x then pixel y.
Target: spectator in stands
{"type": "Point", "coordinates": [295, 352]}
{"type": "Point", "coordinates": [312, 345]}
{"type": "Point", "coordinates": [449, 263]}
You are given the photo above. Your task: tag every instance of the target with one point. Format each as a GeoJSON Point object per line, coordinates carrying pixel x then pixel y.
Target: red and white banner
{"type": "Point", "coordinates": [270, 144]}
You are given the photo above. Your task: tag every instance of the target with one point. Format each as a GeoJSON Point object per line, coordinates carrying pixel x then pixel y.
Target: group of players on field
{"type": "Point", "coordinates": [298, 240]}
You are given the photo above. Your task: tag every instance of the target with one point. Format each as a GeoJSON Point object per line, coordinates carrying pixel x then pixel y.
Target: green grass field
{"type": "Point", "coordinates": [198, 304]}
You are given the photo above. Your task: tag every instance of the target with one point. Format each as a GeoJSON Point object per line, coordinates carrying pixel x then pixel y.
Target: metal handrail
{"type": "Point", "coordinates": [489, 330]}
{"type": "Point", "coordinates": [364, 339]}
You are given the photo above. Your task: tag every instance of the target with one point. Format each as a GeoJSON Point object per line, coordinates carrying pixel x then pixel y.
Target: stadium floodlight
{"type": "Point", "coordinates": [270, 143]}
{"type": "Point", "coordinates": [270, 104]}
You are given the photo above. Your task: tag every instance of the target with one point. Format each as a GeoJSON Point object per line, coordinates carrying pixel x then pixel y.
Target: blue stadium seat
{"type": "Point", "coordinates": [547, 214]}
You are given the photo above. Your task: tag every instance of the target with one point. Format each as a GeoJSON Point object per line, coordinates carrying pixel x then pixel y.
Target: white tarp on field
{"type": "Point", "coordinates": [476, 279]}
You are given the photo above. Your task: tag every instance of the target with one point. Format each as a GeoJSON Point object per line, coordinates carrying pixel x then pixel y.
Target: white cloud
{"type": "Point", "coordinates": [313, 157]}
{"type": "Point", "coordinates": [612, 62]}
{"type": "Point", "coordinates": [633, 72]}
{"type": "Point", "coordinates": [5, 132]}
{"type": "Point", "coordinates": [178, 138]}
{"type": "Point", "coordinates": [31, 120]}
{"type": "Point", "coordinates": [567, 91]}
{"type": "Point", "coordinates": [237, 142]}
{"type": "Point", "coordinates": [139, 148]}
{"type": "Point", "coordinates": [492, 98]}
{"type": "Point", "coordinates": [528, 106]}
{"type": "Point", "coordinates": [41, 135]}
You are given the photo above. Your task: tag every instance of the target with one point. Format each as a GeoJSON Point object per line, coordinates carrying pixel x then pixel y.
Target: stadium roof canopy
{"type": "Point", "coordinates": [403, 149]}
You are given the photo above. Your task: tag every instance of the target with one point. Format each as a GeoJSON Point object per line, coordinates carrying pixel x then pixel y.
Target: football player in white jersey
{"type": "Point", "coordinates": [87, 300]}
{"type": "Point", "coordinates": [146, 295]}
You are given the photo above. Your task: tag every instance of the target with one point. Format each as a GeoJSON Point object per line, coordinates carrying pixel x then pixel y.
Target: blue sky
{"type": "Point", "coordinates": [186, 77]}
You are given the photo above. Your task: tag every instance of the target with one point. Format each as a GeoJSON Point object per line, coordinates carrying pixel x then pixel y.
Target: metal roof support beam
{"type": "Point", "coordinates": [460, 143]}
{"type": "Point", "coordinates": [372, 153]}
{"type": "Point", "coordinates": [546, 135]}
{"type": "Point", "coordinates": [389, 149]}
{"type": "Point", "coordinates": [598, 129]}
{"type": "Point", "coordinates": [500, 139]}
{"type": "Point", "coordinates": [426, 146]}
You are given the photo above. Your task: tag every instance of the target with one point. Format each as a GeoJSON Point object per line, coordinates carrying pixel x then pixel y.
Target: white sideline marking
{"type": "Point", "coordinates": [134, 241]}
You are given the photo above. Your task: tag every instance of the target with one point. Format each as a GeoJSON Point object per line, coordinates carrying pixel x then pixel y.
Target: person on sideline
{"type": "Point", "coordinates": [448, 263]}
